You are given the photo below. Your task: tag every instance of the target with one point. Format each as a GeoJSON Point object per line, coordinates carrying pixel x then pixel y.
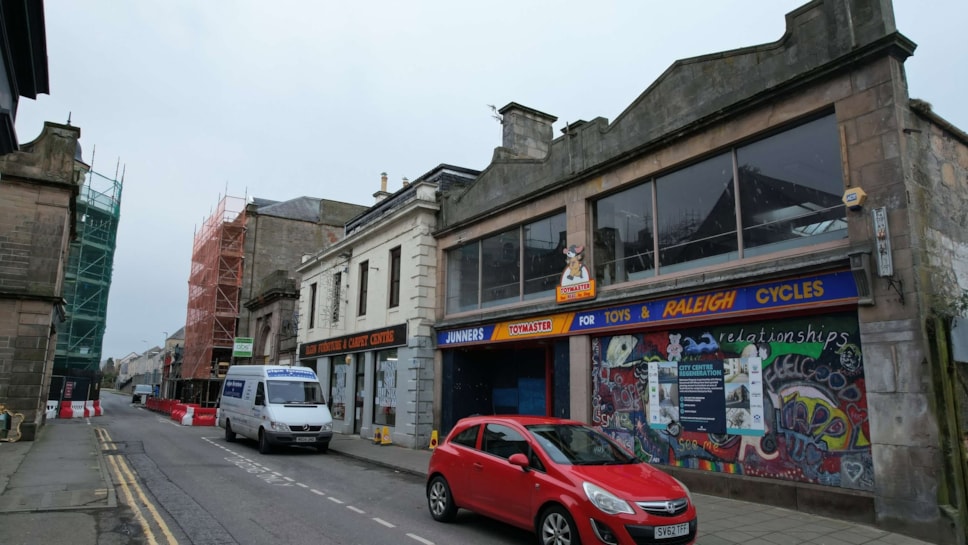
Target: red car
{"type": "Point", "coordinates": [568, 482]}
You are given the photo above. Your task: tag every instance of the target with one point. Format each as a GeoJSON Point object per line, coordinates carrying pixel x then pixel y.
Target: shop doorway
{"type": "Point", "coordinates": [504, 381]}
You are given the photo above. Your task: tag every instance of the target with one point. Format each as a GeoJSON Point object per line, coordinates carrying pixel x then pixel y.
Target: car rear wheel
{"type": "Point", "coordinates": [557, 528]}
{"type": "Point", "coordinates": [264, 446]}
{"type": "Point", "coordinates": [440, 501]}
{"type": "Point", "coordinates": [229, 434]}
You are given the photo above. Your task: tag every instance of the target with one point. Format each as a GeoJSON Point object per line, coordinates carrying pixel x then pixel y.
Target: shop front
{"type": "Point", "coordinates": [763, 380]}
{"type": "Point", "coordinates": [363, 376]}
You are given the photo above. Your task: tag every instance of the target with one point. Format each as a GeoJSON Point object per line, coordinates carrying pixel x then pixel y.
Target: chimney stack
{"type": "Point", "coordinates": [382, 193]}
{"type": "Point", "coordinates": [527, 132]}
{"type": "Point", "coordinates": [406, 182]}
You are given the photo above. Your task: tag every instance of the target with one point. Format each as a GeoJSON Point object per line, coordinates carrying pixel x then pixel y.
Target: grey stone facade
{"type": "Point", "coordinates": [38, 185]}
{"type": "Point", "coordinates": [846, 58]}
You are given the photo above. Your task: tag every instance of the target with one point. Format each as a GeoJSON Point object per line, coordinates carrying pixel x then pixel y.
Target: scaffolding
{"type": "Point", "coordinates": [87, 275]}
{"type": "Point", "coordinates": [214, 285]}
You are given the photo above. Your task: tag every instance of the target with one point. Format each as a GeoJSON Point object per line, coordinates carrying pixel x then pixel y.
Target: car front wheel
{"type": "Point", "coordinates": [440, 501]}
{"type": "Point", "coordinates": [557, 528]}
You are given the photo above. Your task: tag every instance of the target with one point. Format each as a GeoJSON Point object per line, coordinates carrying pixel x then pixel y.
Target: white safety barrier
{"type": "Point", "coordinates": [189, 416]}
{"type": "Point", "coordinates": [52, 406]}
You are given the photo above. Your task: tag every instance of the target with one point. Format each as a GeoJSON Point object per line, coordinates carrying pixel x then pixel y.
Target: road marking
{"type": "Point", "coordinates": [125, 477]}
{"type": "Point", "coordinates": [420, 539]}
{"type": "Point", "coordinates": [255, 467]}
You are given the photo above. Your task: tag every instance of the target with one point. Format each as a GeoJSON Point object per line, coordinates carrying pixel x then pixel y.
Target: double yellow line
{"type": "Point", "coordinates": [124, 477]}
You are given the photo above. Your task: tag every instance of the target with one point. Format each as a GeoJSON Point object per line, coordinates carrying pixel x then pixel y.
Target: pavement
{"type": "Point", "coordinates": [52, 489]}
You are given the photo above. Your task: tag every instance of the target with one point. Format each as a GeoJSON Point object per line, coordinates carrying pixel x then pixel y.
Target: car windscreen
{"type": "Point", "coordinates": [292, 392]}
{"type": "Point", "coordinates": [579, 445]}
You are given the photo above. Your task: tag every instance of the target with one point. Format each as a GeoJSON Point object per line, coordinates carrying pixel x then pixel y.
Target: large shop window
{"type": "Point", "coordinates": [385, 388]}
{"type": "Point", "coordinates": [514, 265]}
{"type": "Point", "coordinates": [789, 191]}
{"type": "Point", "coordinates": [337, 391]}
{"type": "Point", "coordinates": [791, 186]}
{"type": "Point", "coordinates": [624, 236]}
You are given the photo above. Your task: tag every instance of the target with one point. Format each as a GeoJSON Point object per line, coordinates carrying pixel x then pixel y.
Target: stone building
{"type": "Point", "coordinates": [367, 312]}
{"type": "Point", "coordinates": [38, 187]}
{"type": "Point", "coordinates": [278, 234]}
{"type": "Point", "coordinates": [747, 277]}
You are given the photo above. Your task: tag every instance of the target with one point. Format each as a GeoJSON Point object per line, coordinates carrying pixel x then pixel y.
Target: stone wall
{"type": "Point", "coordinates": [38, 187]}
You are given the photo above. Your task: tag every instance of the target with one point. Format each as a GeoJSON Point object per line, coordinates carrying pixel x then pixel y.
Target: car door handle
{"type": "Point", "coordinates": [478, 466]}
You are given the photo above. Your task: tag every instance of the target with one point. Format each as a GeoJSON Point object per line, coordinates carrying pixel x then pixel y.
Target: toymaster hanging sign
{"type": "Point", "coordinates": [804, 292]}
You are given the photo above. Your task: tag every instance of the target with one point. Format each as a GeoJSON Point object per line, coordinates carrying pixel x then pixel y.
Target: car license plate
{"type": "Point", "coordinates": [305, 439]}
{"type": "Point", "coordinates": [676, 530]}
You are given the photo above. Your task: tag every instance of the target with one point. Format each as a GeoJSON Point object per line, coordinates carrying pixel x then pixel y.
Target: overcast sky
{"type": "Point", "coordinates": [284, 99]}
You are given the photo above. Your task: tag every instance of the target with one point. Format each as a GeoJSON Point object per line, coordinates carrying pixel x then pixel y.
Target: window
{"type": "Point", "coordinates": [364, 284]}
{"type": "Point", "coordinates": [385, 388]}
{"type": "Point", "coordinates": [463, 272]}
{"type": "Point", "coordinates": [468, 437]}
{"type": "Point", "coordinates": [337, 392]}
{"type": "Point", "coordinates": [544, 261]}
{"type": "Point", "coordinates": [394, 298]}
{"type": "Point", "coordinates": [518, 264]}
{"type": "Point", "coordinates": [696, 212]}
{"type": "Point", "coordinates": [337, 296]}
{"type": "Point", "coordinates": [501, 268]}
{"type": "Point", "coordinates": [312, 305]}
{"type": "Point", "coordinates": [503, 441]}
{"type": "Point", "coordinates": [791, 186]}
{"type": "Point", "coordinates": [292, 392]}
{"type": "Point", "coordinates": [786, 188]}
{"type": "Point", "coordinates": [624, 236]}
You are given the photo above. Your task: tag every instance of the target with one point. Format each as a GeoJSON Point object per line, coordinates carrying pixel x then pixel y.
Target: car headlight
{"type": "Point", "coordinates": [278, 426]}
{"type": "Point", "coordinates": [686, 488]}
{"type": "Point", "coordinates": [328, 427]}
{"type": "Point", "coordinates": [605, 500]}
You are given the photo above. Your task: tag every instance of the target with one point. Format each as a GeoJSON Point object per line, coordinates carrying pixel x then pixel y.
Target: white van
{"type": "Point", "coordinates": [275, 405]}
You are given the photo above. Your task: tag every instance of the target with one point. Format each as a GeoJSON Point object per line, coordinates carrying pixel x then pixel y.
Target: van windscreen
{"type": "Point", "coordinates": [290, 392]}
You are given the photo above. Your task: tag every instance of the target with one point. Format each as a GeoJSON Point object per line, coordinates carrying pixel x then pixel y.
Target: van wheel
{"type": "Point", "coordinates": [229, 434]}
{"type": "Point", "coordinates": [264, 446]}
{"type": "Point", "coordinates": [322, 449]}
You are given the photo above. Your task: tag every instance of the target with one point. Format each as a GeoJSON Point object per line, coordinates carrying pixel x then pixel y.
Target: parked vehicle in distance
{"type": "Point", "coordinates": [141, 393]}
{"type": "Point", "coordinates": [566, 481]}
{"type": "Point", "coordinates": [275, 405]}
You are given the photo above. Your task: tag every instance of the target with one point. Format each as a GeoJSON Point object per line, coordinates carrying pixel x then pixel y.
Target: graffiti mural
{"type": "Point", "coordinates": [814, 425]}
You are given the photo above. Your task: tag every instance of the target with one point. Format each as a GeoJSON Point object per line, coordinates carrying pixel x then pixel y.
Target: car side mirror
{"type": "Point", "coordinates": [519, 460]}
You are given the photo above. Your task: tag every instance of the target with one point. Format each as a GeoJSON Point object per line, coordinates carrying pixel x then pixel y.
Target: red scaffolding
{"type": "Point", "coordinates": [213, 290]}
